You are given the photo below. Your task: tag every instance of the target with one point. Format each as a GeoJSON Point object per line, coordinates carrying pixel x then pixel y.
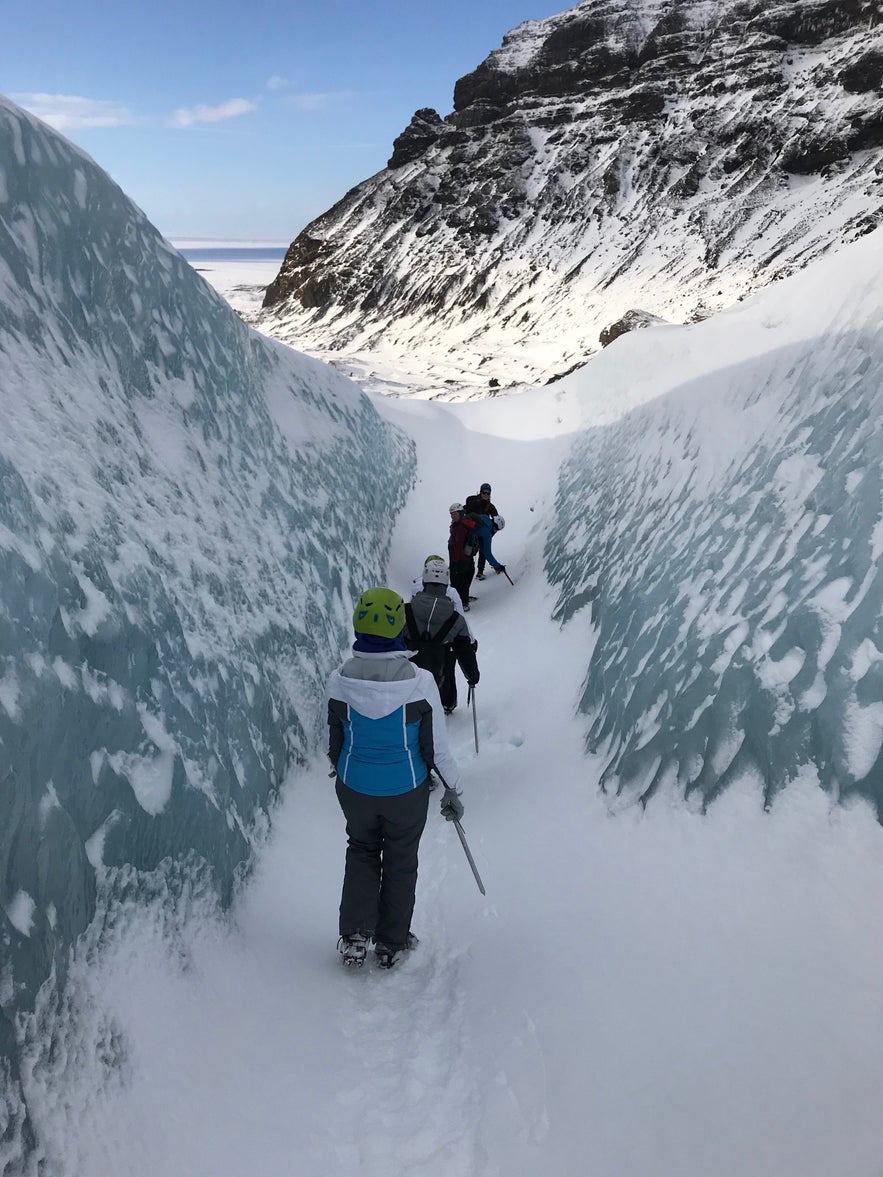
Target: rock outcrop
{"type": "Point", "coordinates": [669, 154]}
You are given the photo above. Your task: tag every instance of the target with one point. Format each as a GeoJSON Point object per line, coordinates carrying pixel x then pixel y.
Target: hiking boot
{"type": "Point", "coordinates": [502, 568]}
{"type": "Point", "coordinates": [448, 710]}
{"type": "Point", "coordinates": [387, 957]}
{"type": "Point", "coordinates": [354, 949]}
{"type": "Point", "coordinates": [480, 576]}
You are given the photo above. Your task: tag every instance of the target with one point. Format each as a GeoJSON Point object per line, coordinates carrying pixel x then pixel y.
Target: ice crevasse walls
{"type": "Point", "coordinates": [726, 539]}
{"type": "Point", "coordinates": [187, 511]}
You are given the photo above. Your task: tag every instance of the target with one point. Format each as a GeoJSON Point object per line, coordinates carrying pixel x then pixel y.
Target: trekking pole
{"type": "Point", "coordinates": [470, 698]}
{"type": "Point", "coordinates": [509, 578]}
{"type": "Point", "coordinates": [462, 838]}
{"type": "Point", "coordinates": [469, 857]}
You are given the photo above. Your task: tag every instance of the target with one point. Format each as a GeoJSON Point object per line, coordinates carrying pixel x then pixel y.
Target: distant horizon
{"type": "Point", "coordinates": [187, 241]}
{"type": "Point", "coordinates": [260, 119]}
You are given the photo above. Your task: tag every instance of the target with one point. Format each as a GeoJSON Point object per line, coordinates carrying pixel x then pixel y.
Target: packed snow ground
{"type": "Point", "coordinates": [660, 992]}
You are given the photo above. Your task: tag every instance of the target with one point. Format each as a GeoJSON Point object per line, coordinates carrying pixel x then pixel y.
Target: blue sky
{"type": "Point", "coordinates": [235, 119]}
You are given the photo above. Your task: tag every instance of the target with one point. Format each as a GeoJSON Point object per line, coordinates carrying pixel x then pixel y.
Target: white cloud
{"type": "Point", "coordinates": [318, 100]}
{"type": "Point", "coordinates": [190, 116]}
{"type": "Point", "coordinates": [277, 83]}
{"type": "Point", "coordinates": [69, 112]}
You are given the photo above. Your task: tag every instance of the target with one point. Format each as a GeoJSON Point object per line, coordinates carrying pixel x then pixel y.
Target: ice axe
{"type": "Point", "coordinates": [470, 698]}
{"type": "Point", "coordinates": [469, 857]}
{"type": "Point", "coordinates": [462, 837]}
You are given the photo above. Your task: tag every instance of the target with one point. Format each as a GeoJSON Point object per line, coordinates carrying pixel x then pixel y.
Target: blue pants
{"type": "Point", "coordinates": [484, 546]}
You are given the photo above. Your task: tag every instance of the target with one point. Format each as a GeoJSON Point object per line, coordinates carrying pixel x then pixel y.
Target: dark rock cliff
{"type": "Point", "coordinates": [671, 155]}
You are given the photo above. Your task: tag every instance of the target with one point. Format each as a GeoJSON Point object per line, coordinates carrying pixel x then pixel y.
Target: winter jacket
{"type": "Point", "coordinates": [480, 506]}
{"type": "Point", "coordinates": [417, 586]}
{"type": "Point", "coordinates": [451, 593]}
{"type": "Point", "coordinates": [432, 606]}
{"type": "Point", "coordinates": [461, 532]}
{"type": "Point", "coordinates": [386, 726]}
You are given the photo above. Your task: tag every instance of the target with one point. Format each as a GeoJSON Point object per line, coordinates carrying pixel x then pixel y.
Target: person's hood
{"type": "Point", "coordinates": [383, 692]}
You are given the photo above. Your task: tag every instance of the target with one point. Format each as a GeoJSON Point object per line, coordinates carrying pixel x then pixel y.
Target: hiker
{"type": "Point", "coordinates": [386, 731]}
{"type": "Point", "coordinates": [462, 545]}
{"type": "Point", "coordinates": [486, 529]}
{"type": "Point", "coordinates": [450, 593]}
{"type": "Point", "coordinates": [481, 504]}
{"type": "Point", "coordinates": [440, 635]}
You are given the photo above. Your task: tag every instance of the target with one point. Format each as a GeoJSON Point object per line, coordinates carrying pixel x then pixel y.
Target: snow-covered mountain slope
{"type": "Point", "coordinates": [728, 538]}
{"type": "Point", "coordinates": [187, 510]}
{"type": "Point", "coordinates": [662, 155]}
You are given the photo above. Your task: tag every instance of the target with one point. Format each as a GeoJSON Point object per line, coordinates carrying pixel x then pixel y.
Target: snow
{"type": "Point", "coordinates": [20, 912]}
{"type": "Point", "coordinates": [242, 283]}
{"type": "Point", "coordinates": [672, 216]}
{"type": "Point", "coordinates": [680, 989]}
{"type": "Point", "coordinates": [665, 991]}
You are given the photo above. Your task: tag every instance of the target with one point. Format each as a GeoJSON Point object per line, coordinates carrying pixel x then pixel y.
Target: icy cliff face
{"type": "Point", "coordinates": [667, 156]}
{"type": "Point", "coordinates": [728, 538]}
{"type": "Point", "coordinates": [184, 524]}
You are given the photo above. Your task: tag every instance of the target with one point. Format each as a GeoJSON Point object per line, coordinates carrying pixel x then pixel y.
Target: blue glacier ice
{"type": "Point", "coordinates": [187, 511]}
{"type": "Point", "coordinates": [725, 540]}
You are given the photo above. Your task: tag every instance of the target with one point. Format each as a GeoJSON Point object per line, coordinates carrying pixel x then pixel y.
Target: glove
{"type": "Point", "coordinates": [475, 645]}
{"type": "Point", "coordinates": [451, 806]}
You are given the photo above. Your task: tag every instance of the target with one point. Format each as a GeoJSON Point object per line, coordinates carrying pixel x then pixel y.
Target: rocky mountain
{"type": "Point", "coordinates": [625, 161]}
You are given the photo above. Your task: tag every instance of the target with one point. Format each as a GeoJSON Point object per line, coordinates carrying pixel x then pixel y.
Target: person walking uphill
{"type": "Point", "coordinates": [462, 545]}
{"type": "Point", "coordinates": [439, 633]}
{"type": "Point", "coordinates": [481, 504]}
{"type": "Point", "coordinates": [485, 530]}
{"type": "Point", "coordinates": [386, 729]}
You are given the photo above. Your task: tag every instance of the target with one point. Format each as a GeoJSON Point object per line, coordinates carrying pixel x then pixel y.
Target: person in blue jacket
{"type": "Point", "coordinates": [486, 528]}
{"type": "Point", "coordinates": [386, 731]}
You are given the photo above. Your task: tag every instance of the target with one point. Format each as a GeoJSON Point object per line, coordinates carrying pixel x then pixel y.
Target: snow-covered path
{"type": "Point", "coordinates": [661, 993]}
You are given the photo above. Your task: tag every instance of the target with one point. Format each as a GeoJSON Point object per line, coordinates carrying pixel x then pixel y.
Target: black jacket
{"type": "Point", "coordinates": [477, 503]}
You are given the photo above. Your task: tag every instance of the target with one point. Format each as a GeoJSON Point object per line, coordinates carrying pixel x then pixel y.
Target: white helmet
{"type": "Point", "coordinates": [435, 571]}
{"type": "Point", "coordinates": [456, 507]}
{"type": "Point", "coordinates": [499, 522]}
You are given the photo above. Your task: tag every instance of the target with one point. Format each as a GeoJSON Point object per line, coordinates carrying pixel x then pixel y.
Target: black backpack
{"type": "Point", "coordinates": [430, 651]}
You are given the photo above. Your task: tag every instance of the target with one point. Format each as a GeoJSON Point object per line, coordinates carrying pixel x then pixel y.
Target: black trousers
{"type": "Point", "coordinates": [461, 578]}
{"type": "Point", "coordinates": [380, 877]}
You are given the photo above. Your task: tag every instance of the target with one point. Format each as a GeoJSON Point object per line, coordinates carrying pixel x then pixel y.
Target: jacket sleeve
{"type": "Point", "coordinates": [441, 752]}
{"type": "Point", "coordinates": [462, 647]}
{"type": "Point", "coordinates": [336, 716]}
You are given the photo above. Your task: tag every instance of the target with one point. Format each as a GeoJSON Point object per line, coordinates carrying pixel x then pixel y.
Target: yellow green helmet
{"type": "Point", "coordinates": [381, 612]}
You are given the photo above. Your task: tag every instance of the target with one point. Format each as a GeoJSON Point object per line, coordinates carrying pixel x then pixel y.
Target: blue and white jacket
{"type": "Point", "coordinates": [386, 725]}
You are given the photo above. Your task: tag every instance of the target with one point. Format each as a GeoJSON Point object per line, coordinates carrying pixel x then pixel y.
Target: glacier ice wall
{"type": "Point", "coordinates": [187, 511]}
{"type": "Point", "coordinates": [727, 538]}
